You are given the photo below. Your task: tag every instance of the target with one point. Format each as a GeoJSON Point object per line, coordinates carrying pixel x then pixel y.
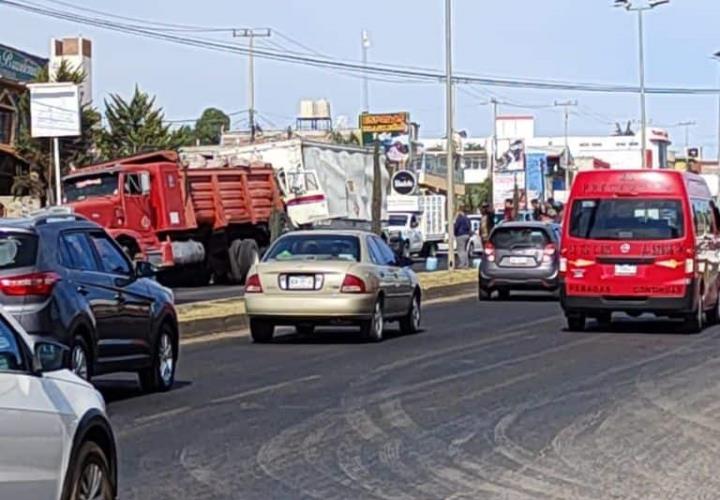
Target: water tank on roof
{"type": "Point", "coordinates": [322, 109]}
{"type": "Point", "coordinates": [307, 109]}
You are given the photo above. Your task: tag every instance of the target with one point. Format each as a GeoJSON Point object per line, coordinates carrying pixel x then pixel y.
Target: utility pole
{"type": "Point", "coordinates": [449, 137]}
{"type": "Point", "coordinates": [366, 84]}
{"type": "Point", "coordinates": [493, 156]}
{"type": "Point", "coordinates": [567, 105]}
{"type": "Point", "coordinates": [640, 9]}
{"type": "Point", "coordinates": [251, 34]}
{"type": "Point", "coordinates": [687, 125]}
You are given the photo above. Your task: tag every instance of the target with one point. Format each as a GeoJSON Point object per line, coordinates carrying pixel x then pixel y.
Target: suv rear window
{"type": "Point", "coordinates": [623, 219]}
{"type": "Point", "coordinates": [519, 237]}
{"type": "Point", "coordinates": [17, 250]}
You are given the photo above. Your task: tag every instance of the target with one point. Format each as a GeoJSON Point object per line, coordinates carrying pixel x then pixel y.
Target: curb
{"type": "Point", "coordinates": [228, 315]}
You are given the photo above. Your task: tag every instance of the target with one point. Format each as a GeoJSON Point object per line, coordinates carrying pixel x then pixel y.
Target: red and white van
{"type": "Point", "coordinates": [640, 241]}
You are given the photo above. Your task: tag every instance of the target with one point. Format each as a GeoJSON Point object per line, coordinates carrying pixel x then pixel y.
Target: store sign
{"type": "Point", "coordinates": [19, 66]}
{"type": "Point", "coordinates": [54, 110]}
{"type": "Point", "coordinates": [404, 182]}
{"type": "Point", "coordinates": [385, 122]}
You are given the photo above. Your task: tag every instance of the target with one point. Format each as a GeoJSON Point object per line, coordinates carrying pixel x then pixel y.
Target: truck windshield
{"type": "Point", "coordinates": [315, 247]}
{"type": "Point", "coordinates": [397, 220]}
{"type": "Point", "coordinates": [81, 188]}
{"type": "Point", "coordinates": [622, 219]}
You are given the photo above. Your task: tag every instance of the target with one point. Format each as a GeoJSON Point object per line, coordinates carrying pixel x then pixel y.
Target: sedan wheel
{"type": "Point", "coordinates": [411, 322]}
{"type": "Point", "coordinates": [373, 328]}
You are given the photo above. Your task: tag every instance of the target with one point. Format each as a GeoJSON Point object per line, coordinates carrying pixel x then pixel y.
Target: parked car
{"type": "Point", "coordinates": [311, 278]}
{"type": "Point", "coordinates": [640, 241]}
{"type": "Point", "coordinates": [65, 278]}
{"type": "Point", "coordinates": [56, 439]}
{"type": "Point", "coordinates": [520, 256]}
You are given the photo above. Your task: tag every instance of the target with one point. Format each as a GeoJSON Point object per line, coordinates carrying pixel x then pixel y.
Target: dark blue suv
{"type": "Point", "coordinates": [64, 277]}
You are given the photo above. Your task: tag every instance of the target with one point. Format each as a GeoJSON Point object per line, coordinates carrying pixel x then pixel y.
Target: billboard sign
{"type": "Point", "coordinates": [513, 159]}
{"type": "Point", "coordinates": [19, 66]}
{"type": "Point", "coordinates": [384, 122]}
{"type": "Point", "coordinates": [54, 110]}
{"type": "Point", "coordinates": [535, 164]}
{"type": "Point", "coordinates": [404, 182]}
{"type": "Point", "coordinates": [504, 188]}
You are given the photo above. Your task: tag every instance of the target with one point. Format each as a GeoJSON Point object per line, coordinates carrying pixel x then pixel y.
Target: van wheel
{"type": "Point", "coordinates": [713, 315]}
{"type": "Point", "coordinates": [694, 321]}
{"type": "Point", "coordinates": [575, 322]}
{"type": "Point", "coordinates": [604, 320]}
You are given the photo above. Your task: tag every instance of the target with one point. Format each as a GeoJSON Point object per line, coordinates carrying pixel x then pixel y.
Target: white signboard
{"type": "Point", "coordinates": [54, 109]}
{"type": "Point", "coordinates": [504, 188]}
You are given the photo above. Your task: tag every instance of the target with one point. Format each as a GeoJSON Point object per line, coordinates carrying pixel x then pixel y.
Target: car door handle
{"type": "Point", "coordinates": [82, 290]}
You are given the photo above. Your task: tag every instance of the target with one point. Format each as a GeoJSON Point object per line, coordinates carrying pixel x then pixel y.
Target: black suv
{"type": "Point", "coordinates": [64, 277]}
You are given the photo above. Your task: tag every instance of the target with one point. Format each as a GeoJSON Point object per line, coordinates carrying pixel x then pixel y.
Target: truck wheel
{"type": "Point", "coordinates": [243, 255]}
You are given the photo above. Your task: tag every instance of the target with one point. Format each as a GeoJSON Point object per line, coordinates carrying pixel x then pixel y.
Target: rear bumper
{"type": "Point", "coordinates": [655, 305]}
{"type": "Point", "coordinates": [293, 308]}
{"type": "Point", "coordinates": [536, 279]}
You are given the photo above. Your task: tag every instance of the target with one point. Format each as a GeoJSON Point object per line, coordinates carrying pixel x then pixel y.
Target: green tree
{"type": "Point", "coordinates": [74, 151]}
{"type": "Point", "coordinates": [137, 126]}
{"type": "Point", "coordinates": [210, 126]}
{"type": "Point", "coordinates": [476, 195]}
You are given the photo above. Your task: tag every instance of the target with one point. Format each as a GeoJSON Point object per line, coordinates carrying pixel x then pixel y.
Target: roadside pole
{"type": "Point", "coordinates": [56, 161]}
{"type": "Point", "coordinates": [567, 105]}
{"type": "Point", "coordinates": [250, 34]}
{"type": "Point", "coordinates": [377, 190]}
{"type": "Point", "coordinates": [493, 156]}
{"type": "Point", "coordinates": [449, 136]}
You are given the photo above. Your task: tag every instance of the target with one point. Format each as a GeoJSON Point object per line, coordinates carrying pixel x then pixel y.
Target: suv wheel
{"type": "Point", "coordinates": [80, 358]}
{"type": "Point", "coordinates": [160, 376]}
{"type": "Point", "coordinates": [90, 479]}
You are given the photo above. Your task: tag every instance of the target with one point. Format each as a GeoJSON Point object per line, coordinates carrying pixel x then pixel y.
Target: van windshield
{"type": "Point", "coordinates": [627, 219]}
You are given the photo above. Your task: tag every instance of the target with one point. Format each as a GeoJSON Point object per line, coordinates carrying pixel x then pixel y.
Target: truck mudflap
{"type": "Point", "coordinates": [659, 305]}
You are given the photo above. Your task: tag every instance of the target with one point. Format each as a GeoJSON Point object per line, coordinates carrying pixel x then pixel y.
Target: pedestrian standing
{"type": "Point", "coordinates": [488, 221]}
{"type": "Point", "coordinates": [536, 210]}
{"type": "Point", "coordinates": [462, 237]}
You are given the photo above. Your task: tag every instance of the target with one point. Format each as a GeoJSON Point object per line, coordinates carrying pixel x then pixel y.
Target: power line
{"type": "Point", "coordinates": [377, 69]}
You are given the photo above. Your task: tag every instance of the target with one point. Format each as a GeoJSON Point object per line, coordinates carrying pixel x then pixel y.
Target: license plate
{"type": "Point", "coordinates": [301, 282]}
{"type": "Point", "coordinates": [518, 261]}
{"type": "Point", "coordinates": [625, 270]}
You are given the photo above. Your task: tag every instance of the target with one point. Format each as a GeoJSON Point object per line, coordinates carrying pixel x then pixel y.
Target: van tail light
{"type": "Point", "coordinates": [352, 284]}
{"type": "Point", "coordinates": [489, 252]}
{"type": "Point", "coordinates": [37, 284]}
{"type": "Point", "coordinates": [669, 263]}
{"type": "Point", "coordinates": [549, 252]}
{"type": "Point", "coordinates": [253, 285]}
{"type": "Point", "coordinates": [689, 266]}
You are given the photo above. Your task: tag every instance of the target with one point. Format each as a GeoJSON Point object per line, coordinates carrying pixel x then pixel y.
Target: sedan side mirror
{"type": "Point", "coordinates": [143, 269]}
{"type": "Point", "coordinates": [50, 356]}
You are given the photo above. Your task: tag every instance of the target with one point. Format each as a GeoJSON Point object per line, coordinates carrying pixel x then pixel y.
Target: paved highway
{"type": "Point", "coordinates": [186, 295]}
{"type": "Point", "coordinates": [492, 400]}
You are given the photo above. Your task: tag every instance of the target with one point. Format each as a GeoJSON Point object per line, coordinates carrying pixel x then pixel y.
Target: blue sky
{"type": "Point", "coordinates": [577, 40]}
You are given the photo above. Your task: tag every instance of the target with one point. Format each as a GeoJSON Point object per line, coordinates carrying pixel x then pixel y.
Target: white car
{"type": "Point", "coordinates": [55, 438]}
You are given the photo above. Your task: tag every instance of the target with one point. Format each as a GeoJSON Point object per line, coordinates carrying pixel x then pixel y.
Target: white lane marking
{"type": "Point", "coordinates": [262, 390]}
{"type": "Point", "coordinates": [156, 416]}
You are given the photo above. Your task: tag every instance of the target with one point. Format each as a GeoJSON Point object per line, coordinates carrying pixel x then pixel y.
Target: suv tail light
{"type": "Point", "coordinates": [253, 285]}
{"type": "Point", "coordinates": [549, 252]}
{"type": "Point", "coordinates": [490, 252]}
{"type": "Point", "coordinates": [39, 284]}
{"type": "Point", "coordinates": [352, 284]}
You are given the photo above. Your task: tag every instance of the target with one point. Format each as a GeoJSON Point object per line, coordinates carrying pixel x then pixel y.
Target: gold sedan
{"type": "Point", "coordinates": [310, 278]}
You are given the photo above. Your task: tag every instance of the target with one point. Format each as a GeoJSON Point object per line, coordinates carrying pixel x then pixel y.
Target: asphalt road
{"type": "Point", "coordinates": [186, 295]}
{"type": "Point", "coordinates": [492, 400]}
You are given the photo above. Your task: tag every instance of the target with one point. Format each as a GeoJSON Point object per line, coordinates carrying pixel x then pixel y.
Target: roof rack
{"type": "Point", "coordinates": [55, 214]}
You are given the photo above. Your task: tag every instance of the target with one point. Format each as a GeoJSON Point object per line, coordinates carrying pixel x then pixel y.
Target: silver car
{"type": "Point", "coordinates": [311, 278]}
{"type": "Point", "coordinates": [55, 438]}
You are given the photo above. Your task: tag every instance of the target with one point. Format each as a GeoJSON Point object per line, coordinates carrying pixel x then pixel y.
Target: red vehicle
{"type": "Point", "coordinates": [640, 241]}
{"type": "Point", "coordinates": [208, 221]}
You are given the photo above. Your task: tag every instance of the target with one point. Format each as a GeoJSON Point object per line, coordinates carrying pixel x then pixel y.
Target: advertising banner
{"type": "Point", "coordinates": [54, 109]}
{"type": "Point", "coordinates": [535, 164]}
{"type": "Point", "coordinates": [504, 188]}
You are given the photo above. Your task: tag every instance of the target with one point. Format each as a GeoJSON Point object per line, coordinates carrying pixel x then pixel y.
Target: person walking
{"type": "Point", "coordinates": [462, 231]}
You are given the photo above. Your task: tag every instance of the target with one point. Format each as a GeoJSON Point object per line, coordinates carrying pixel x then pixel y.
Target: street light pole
{"type": "Point", "coordinates": [250, 34]}
{"type": "Point", "coordinates": [449, 137]}
{"type": "Point", "coordinates": [366, 84]}
{"type": "Point", "coordinates": [628, 5]}
{"type": "Point", "coordinates": [567, 105]}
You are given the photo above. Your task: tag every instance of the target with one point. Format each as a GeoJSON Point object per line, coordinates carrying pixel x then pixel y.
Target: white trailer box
{"type": "Point", "coordinates": [345, 172]}
{"type": "Point", "coordinates": [431, 209]}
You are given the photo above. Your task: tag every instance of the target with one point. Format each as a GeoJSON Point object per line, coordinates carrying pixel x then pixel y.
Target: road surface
{"type": "Point", "coordinates": [492, 400]}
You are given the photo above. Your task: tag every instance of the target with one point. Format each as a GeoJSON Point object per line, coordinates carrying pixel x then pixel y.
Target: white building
{"type": "Point", "coordinates": [77, 52]}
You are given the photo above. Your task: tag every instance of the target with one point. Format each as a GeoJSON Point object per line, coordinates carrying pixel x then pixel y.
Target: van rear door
{"type": "Point", "coordinates": [628, 247]}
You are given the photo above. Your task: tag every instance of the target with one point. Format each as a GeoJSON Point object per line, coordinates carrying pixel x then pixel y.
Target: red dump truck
{"type": "Point", "coordinates": [198, 222]}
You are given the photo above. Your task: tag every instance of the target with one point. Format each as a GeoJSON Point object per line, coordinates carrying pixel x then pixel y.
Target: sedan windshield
{"type": "Point", "coordinates": [614, 219]}
{"type": "Point", "coordinates": [315, 247]}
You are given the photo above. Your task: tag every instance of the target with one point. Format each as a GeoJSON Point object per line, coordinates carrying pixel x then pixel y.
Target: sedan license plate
{"type": "Point", "coordinates": [625, 270]}
{"type": "Point", "coordinates": [518, 261]}
{"type": "Point", "coordinates": [301, 282]}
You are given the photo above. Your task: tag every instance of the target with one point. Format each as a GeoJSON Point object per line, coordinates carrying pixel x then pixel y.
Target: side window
{"type": "Point", "coordinates": [702, 217]}
{"type": "Point", "coordinates": [11, 358]}
{"type": "Point", "coordinates": [375, 254]}
{"type": "Point", "coordinates": [386, 254]}
{"type": "Point", "coordinates": [113, 260]}
{"type": "Point", "coordinates": [76, 252]}
{"type": "Point", "coordinates": [132, 184]}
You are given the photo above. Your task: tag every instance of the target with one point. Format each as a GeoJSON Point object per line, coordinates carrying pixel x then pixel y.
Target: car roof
{"type": "Point", "coordinates": [527, 224]}
{"type": "Point", "coordinates": [331, 232]}
{"type": "Point", "coordinates": [47, 219]}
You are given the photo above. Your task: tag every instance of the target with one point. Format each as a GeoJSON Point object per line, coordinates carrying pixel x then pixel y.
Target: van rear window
{"type": "Point", "coordinates": [17, 250]}
{"type": "Point", "coordinates": [627, 219]}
